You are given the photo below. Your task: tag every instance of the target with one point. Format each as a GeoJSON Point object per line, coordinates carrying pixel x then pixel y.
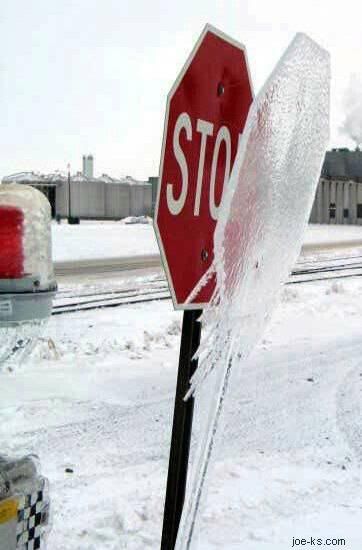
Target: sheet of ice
{"type": "Point", "coordinates": [259, 233]}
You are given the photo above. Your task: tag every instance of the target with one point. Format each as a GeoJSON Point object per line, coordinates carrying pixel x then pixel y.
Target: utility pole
{"type": "Point", "coordinates": [69, 197]}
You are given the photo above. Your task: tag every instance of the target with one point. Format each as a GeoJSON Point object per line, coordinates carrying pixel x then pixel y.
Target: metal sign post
{"type": "Point", "coordinates": [181, 430]}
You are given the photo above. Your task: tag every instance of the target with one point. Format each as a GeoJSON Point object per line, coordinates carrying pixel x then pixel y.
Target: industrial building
{"type": "Point", "coordinates": [338, 198]}
{"type": "Point", "coordinates": [84, 196]}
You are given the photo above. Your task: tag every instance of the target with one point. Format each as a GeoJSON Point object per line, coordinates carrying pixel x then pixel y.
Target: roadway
{"type": "Point", "coordinates": [151, 263]}
{"type": "Point", "coordinates": [94, 270]}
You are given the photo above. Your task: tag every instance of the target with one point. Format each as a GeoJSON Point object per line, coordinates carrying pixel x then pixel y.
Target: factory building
{"type": "Point", "coordinates": [83, 196]}
{"type": "Point", "coordinates": [338, 198]}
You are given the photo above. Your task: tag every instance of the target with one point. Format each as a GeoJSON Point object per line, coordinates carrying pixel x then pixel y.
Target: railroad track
{"type": "Point", "coordinates": [84, 302]}
{"type": "Point", "coordinates": [306, 271]}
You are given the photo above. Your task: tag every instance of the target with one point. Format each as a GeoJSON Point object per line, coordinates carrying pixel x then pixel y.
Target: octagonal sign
{"type": "Point", "coordinates": [205, 116]}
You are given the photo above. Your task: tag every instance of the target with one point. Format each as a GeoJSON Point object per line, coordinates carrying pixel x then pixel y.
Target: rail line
{"type": "Point", "coordinates": [306, 271]}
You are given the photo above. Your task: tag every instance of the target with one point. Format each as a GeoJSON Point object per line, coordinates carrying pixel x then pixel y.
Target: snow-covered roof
{"type": "Point", "coordinates": [123, 180]}
{"type": "Point", "coordinates": [58, 175]}
{"type": "Point", "coordinates": [37, 177]}
{"type": "Point", "coordinates": [80, 177]}
{"type": "Point", "coordinates": [21, 177]}
{"type": "Point", "coordinates": [105, 178]}
{"type": "Point", "coordinates": [132, 181]}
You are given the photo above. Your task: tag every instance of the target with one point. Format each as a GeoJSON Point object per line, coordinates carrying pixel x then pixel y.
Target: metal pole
{"type": "Point", "coordinates": [181, 430]}
{"type": "Point", "coordinates": [69, 198]}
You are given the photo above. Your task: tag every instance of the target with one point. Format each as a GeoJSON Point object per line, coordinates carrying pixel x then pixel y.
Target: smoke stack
{"type": "Point", "coordinates": [88, 166]}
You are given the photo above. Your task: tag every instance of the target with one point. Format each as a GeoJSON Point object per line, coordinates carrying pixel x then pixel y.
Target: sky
{"type": "Point", "coordinates": [79, 77]}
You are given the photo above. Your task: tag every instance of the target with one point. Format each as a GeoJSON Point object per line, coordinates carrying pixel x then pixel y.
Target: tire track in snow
{"type": "Point", "coordinates": [349, 419]}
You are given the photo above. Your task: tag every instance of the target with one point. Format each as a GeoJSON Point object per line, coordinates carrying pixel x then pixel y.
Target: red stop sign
{"type": "Point", "coordinates": [205, 116]}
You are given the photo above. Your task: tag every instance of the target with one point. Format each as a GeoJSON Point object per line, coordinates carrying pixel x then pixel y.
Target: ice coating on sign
{"type": "Point", "coordinates": [35, 208]}
{"type": "Point", "coordinates": [267, 201]}
{"type": "Point", "coordinates": [263, 215]}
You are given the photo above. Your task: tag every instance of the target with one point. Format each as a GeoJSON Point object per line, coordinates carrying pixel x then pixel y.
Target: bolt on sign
{"type": "Point", "coordinates": [205, 116]}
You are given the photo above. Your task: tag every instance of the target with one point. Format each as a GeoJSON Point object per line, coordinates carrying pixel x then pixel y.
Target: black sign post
{"type": "Point", "coordinates": [181, 430]}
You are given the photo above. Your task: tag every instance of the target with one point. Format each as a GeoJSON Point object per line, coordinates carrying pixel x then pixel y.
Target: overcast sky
{"type": "Point", "coordinates": [92, 76]}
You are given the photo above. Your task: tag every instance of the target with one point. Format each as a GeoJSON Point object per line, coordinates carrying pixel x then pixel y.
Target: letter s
{"type": "Point", "coordinates": [176, 205]}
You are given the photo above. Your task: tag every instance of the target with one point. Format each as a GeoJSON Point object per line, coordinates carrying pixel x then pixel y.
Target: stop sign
{"type": "Point", "coordinates": [205, 116]}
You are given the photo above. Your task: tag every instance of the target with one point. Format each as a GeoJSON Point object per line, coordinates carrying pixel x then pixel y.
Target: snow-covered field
{"type": "Point", "coordinates": [97, 397]}
{"type": "Point", "coordinates": [91, 240]}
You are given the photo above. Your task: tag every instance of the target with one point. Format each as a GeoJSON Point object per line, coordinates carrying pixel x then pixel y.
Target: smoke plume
{"type": "Point", "coordinates": [352, 125]}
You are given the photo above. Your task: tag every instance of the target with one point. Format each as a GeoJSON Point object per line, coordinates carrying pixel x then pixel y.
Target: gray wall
{"type": "Point", "coordinates": [337, 202]}
{"type": "Point", "coordinates": [100, 200]}
{"type": "Point", "coordinates": [153, 180]}
{"type": "Point", "coordinates": [117, 201]}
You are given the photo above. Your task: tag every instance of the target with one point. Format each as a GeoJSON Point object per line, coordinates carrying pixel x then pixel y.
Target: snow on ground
{"type": "Point", "coordinates": [290, 461]}
{"type": "Point", "coordinates": [102, 240]}
{"type": "Point", "coordinates": [318, 233]}
{"type": "Point", "coordinates": [97, 397]}
{"type": "Point", "coordinates": [91, 240]}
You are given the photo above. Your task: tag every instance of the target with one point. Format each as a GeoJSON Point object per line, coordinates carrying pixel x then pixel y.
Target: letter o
{"type": "Point", "coordinates": [222, 135]}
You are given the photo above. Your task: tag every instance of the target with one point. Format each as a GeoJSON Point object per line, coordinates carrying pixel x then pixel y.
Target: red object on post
{"type": "Point", "coordinates": [11, 242]}
{"type": "Point", "coordinates": [206, 113]}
